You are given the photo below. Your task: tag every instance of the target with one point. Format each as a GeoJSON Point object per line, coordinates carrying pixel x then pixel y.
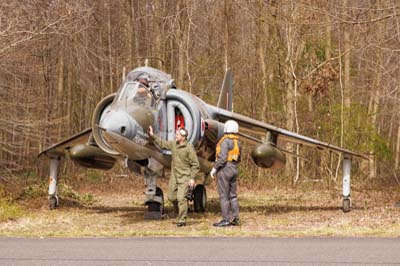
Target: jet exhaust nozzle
{"type": "Point", "coordinates": [214, 130]}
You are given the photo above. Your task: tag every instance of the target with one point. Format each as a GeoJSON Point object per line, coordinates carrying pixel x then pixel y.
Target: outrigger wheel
{"type": "Point", "coordinates": [53, 202]}
{"type": "Point", "coordinates": [346, 205]}
{"type": "Point", "coordinates": [200, 198]}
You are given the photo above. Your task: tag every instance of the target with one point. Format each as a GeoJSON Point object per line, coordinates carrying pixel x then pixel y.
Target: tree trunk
{"type": "Point", "coordinates": [346, 78]}
{"type": "Point", "coordinates": [187, 46]}
{"type": "Point", "coordinates": [131, 26]}
{"type": "Point", "coordinates": [397, 151]}
{"type": "Point", "coordinates": [227, 12]}
{"type": "Point", "coordinates": [110, 57]}
{"type": "Point", "coordinates": [69, 100]}
{"type": "Point", "coordinates": [261, 62]}
{"type": "Point", "coordinates": [294, 48]}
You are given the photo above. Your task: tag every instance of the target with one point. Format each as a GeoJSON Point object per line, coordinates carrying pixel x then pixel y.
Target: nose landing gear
{"type": "Point", "coordinates": [155, 206]}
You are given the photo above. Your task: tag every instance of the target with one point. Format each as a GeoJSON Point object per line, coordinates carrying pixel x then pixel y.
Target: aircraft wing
{"type": "Point", "coordinates": [58, 149]}
{"type": "Point", "coordinates": [260, 128]}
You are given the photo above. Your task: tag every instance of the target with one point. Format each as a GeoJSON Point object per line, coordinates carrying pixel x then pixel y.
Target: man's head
{"type": "Point", "coordinates": [231, 126]}
{"type": "Point", "coordinates": [181, 135]}
{"type": "Point", "coordinates": [144, 79]}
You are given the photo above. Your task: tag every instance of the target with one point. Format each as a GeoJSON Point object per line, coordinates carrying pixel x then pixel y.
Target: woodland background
{"type": "Point", "coordinates": [325, 69]}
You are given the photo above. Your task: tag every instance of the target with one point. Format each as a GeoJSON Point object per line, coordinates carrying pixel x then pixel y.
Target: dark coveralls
{"type": "Point", "coordinates": [227, 173]}
{"type": "Point", "coordinates": [184, 166]}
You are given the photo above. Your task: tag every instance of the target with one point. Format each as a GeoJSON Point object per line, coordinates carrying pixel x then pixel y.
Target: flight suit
{"type": "Point", "coordinates": [184, 166]}
{"type": "Point", "coordinates": [227, 159]}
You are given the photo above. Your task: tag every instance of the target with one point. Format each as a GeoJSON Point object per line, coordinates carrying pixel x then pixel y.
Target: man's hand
{"type": "Point", "coordinates": [191, 183]}
{"type": "Point", "coordinates": [150, 131]}
{"type": "Point", "coordinates": [213, 173]}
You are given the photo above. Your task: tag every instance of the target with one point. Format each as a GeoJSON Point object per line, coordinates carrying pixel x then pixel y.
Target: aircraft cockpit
{"type": "Point", "coordinates": [137, 93]}
{"type": "Point", "coordinates": [157, 81]}
{"type": "Point", "coordinates": [144, 86]}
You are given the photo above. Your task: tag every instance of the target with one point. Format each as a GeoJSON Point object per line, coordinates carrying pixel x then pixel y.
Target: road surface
{"type": "Point", "coordinates": [199, 251]}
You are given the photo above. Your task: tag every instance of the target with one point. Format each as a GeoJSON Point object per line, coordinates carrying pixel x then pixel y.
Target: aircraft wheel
{"type": "Point", "coordinates": [346, 205]}
{"type": "Point", "coordinates": [155, 206]}
{"type": "Point", "coordinates": [53, 203]}
{"type": "Point", "coordinates": [200, 198]}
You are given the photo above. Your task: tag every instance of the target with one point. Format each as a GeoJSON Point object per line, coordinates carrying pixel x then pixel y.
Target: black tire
{"type": "Point", "coordinates": [346, 205]}
{"type": "Point", "coordinates": [160, 193]}
{"type": "Point", "coordinates": [155, 206]}
{"type": "Point", "coordinates": [53, 204]}
{"type": "Point", "coordinates": [200, 198]}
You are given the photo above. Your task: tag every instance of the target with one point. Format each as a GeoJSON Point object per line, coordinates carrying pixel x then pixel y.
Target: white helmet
{"type": "Point", "coordinates": [231, 127]}
{"type": "Point", "coordinates": [144, 79]}
{"type": "Point", "coordinates": [144, 76]}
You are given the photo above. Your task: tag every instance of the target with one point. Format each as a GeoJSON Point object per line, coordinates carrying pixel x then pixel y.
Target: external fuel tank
{"type": "Point", "coordinates": [268, 156]}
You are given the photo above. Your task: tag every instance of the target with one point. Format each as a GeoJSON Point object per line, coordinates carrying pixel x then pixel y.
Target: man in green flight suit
{"type": "Point", "coordinates": [184, 167]}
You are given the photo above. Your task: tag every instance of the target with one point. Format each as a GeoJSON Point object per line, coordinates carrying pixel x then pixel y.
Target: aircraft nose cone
{"type": "Point", "coordinates": [120, 123]}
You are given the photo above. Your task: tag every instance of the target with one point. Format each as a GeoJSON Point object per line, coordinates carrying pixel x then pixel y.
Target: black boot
{"type": "Point", "coordinates": [181, 224]}
{"type": "Point", "coordinates": [222, 223]}
{"type": "Point", "coordinates": [235, 221]}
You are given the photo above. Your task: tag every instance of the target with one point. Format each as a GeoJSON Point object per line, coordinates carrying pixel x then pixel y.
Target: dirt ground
{"type": "Point", "coordinates": [266, 213]}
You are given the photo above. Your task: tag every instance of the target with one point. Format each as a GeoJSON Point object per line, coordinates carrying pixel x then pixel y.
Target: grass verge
{"type": "Point", "coordinates": [268, 213]}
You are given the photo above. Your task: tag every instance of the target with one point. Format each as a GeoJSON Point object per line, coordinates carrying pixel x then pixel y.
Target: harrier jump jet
{"type": "Point", "coordinates": [149, 96]}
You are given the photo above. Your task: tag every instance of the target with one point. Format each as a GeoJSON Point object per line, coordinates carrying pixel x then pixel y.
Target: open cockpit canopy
{"type": "Point", "coordinates": [157, 78]}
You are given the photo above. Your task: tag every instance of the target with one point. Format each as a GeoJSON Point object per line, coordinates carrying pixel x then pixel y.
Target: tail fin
{"type": "Point", "coordinates": [226, 94]}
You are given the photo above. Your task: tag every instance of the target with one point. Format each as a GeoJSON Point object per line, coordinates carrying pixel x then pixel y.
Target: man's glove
{"type": "Point", "coordinates": [190, 194]}
{"type": "Point", "coordinates": [213, 173]}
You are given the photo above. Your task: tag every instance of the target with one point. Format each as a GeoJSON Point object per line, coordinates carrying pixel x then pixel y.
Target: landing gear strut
{"type": "Point", "coordinates": [346, 206]}
{"type": "Point", "coordinates": [53, 189]}
{"type": "Point", "coordinates": [155, 196]}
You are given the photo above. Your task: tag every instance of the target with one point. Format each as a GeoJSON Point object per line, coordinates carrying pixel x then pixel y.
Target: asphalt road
{"type": "Point", "coordinates": [199, 251]}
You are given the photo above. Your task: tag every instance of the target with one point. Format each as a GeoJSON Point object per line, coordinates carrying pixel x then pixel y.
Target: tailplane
{"type": "Point", "coordinates": [226, 94]}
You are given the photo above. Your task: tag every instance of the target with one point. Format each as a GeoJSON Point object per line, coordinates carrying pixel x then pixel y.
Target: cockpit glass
{"type": "Point", "coordinates": [136, 92]}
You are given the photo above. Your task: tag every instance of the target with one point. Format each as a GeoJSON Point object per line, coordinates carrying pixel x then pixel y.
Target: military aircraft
{"type": "Point", "coordinates": [148, 96]}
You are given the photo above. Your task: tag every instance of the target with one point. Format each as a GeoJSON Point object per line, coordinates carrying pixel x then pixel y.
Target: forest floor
{"type": "Point", "coordinates": [100, 211]}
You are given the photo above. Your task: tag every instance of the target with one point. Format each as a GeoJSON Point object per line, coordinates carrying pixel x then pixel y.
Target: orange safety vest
{"type": "Point", "coordinates": [233, 155]}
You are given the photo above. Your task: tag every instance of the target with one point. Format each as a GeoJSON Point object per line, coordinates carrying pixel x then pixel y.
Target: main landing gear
{"type": "Point", "coordinates": [155, 205]}
{"type": "Point", "coordinates": [199, 198]}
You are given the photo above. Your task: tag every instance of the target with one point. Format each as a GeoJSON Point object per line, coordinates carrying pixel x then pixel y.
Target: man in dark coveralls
{"type": "Point", "coordinates": [228, 155]}
{"type": "Point", "coordinates": [184, 168]}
